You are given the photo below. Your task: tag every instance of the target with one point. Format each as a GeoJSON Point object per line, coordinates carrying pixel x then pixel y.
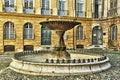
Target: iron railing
{"type": "Point", "coordinates": [46, 11]}
{"type": "Point", "coordinates": [62, 12]}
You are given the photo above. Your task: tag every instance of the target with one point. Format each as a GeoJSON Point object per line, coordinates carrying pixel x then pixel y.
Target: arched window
{"type": "Point", "coordinates": [9, 6]}
{"type": "Point", "coordinates": [113, 32]}
{"type": "Point", "coordinates": [45, 36]}
{"type": "Point", "coordinates": [28, 6]}
{"type": "Point", "coordinates": [80, 8]}
{"type": "Point", "coordinates": [46, 7]}
{"type": "Point", "coordinates": [62, 8]}
{"type": "Point", "coordinates": [79, 33]}
{"type": "Point", "coordinates": [9, 32]}
{"type": "Point", "coordinates": [28, 31]}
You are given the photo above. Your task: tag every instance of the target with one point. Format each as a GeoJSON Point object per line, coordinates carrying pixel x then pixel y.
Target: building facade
{"type": "Point", "coordinates": [20, 27]}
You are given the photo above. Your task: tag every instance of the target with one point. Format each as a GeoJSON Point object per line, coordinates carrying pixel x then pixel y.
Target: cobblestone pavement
{"type": "Point", "coordinates": [112, 74]}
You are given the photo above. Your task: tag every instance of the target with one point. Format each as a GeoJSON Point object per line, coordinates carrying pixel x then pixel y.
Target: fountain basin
{"type": "Point", "coordinates": [60, 24]}
{"type": "Point", "coordinates": [79, 64]}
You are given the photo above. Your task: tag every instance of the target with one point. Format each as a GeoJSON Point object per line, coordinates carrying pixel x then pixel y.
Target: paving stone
{"type": "Point", "coordinates": [111, 74]}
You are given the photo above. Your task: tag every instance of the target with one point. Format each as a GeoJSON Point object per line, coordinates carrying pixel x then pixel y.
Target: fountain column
{"type": "Point", "coordinates": [59, 51]}
{"type": "Point", "coordinates": [60, 45]}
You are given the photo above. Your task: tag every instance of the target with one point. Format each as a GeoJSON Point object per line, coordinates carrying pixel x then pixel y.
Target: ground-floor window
{"type": "Point", "coordinates": [45, 36]}
{"type": "Point", "coordinates": [79, 46]}
{"type": "Point", "coordinates": [28, 48]}
{"type": "Point", "coordinates": [8, 48]}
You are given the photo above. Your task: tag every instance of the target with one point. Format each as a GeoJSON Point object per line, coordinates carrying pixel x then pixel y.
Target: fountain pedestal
{"type": "Point", "coordinates": [59, 51]}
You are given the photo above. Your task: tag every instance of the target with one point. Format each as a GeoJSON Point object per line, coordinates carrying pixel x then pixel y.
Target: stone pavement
{"type": "Point", "coordinates": [111, 74]}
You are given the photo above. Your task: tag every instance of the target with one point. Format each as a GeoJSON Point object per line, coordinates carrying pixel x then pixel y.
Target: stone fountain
{"type": "Point", "coordinates": [58, 62]}
{"type": "Point", "coordinates": [60, 27]}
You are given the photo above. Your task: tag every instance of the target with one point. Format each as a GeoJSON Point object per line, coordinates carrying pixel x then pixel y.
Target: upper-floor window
{"type": "Point", "coordinates": [28, 6]}
{"type": "Point", "coordinates": [9, 6]}
{"type": "Point", "coordinates": [113, 8]}
{"type": "Point", "coordinates": [96, 9]}
{"type": "Point", "coordinates": [9, 32]}
{"type": "Point", "coordinates": [62, 8]}
{"type": "Point", "coordinates": [79, 33]}
{"type": "Point", "coordinates": [80, 8]}
{"type": "Point", "coordinates": [28, 31]}
{"type": "Point", "coordinates": [46, 7]}
{"type": "Point", "coordinates": [113, 32]}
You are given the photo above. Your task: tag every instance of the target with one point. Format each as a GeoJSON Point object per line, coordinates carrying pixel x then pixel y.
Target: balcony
{"type": "Point", "coordinates": [28, 10]}
{"type": "Point", "coordinates": [62, 12]}
{"type": "Point", "coordinates": [112, 12]}
{"type": "Point", "coordinates": [46, 11]}
{"type": "Point", "coordinates": [80, 14]}
{"type": "Point", "coordinates": [9, 8]}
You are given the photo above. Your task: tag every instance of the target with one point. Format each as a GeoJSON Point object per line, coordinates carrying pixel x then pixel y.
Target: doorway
{"type": "Point", "coordinates": [97, 35]}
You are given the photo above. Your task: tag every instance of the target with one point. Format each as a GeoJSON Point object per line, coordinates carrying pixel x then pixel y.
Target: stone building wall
{"type": "Point", "coordinates": [88, 23]}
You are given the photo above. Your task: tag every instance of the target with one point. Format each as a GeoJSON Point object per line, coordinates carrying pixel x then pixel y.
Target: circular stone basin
{"type": "Point", "coordinates": [39, 63]}
{"type": "Point", "coordinates": [43, 57]}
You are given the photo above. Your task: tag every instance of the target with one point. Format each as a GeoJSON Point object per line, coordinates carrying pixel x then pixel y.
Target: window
{"type": "Point", "coordinates": [113, 32]}
{"type": "Point", "coordinates": [8, 48]}
{"type": "Point", "coordinates": [113, 8]}
{"type": "Point", "coordinates": [79, 32]}
{"type": "Point", "coordinates": [28, 31]}
{"type": "Point", "coordinates": [96, 9]}
{"type": "Point", "coordinates": [9, 32]}
{"type": "Point", "coordinates": [28, 48]}
{"type": "Point", "coordinates": [61, 8]}
{"type": "Point", "coordinates": [28, 6]}
{"type": "Point", "coordinates": [9, 6]}
{"type": "Point", "coordinates": [45, 36]}
{"type": "Point", "coordinates": [46, 7]}
{"type": "Point", "coordinates": [80, 7]}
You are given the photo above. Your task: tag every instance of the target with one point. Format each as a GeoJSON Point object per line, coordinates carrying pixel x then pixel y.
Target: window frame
{"type": "Point", "coordinates": [79, 34]}
{"type": "Point", "coordinates": [28, 31]}
{"type": "Point", "coordinates": [9, 31]}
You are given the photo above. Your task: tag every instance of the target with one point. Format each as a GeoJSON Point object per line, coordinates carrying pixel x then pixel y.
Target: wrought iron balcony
{"type": "Point", "coordinates": [112, 13]}
{"type": "Point", "coordinates": [80, 14]}
{"type": "Point", "coordinates": [9, 8]}
{"type": "Point", "coordinates": [46, 11]}
{"type": "Point", "coordinates": [28, 10]}
{"type": "Point", "coordinates": [62, 12]}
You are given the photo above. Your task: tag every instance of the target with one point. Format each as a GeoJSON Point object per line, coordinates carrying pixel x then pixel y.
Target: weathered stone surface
{"type": "Point", "coordinates": [111, 74]}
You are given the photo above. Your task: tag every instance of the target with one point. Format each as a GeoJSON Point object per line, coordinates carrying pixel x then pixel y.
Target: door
{"type": "Point", "coordinates": [97, 35]}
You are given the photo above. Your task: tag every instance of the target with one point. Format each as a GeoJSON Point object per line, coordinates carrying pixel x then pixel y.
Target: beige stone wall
{"type": "Point", "coordinates": [19, 19]}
